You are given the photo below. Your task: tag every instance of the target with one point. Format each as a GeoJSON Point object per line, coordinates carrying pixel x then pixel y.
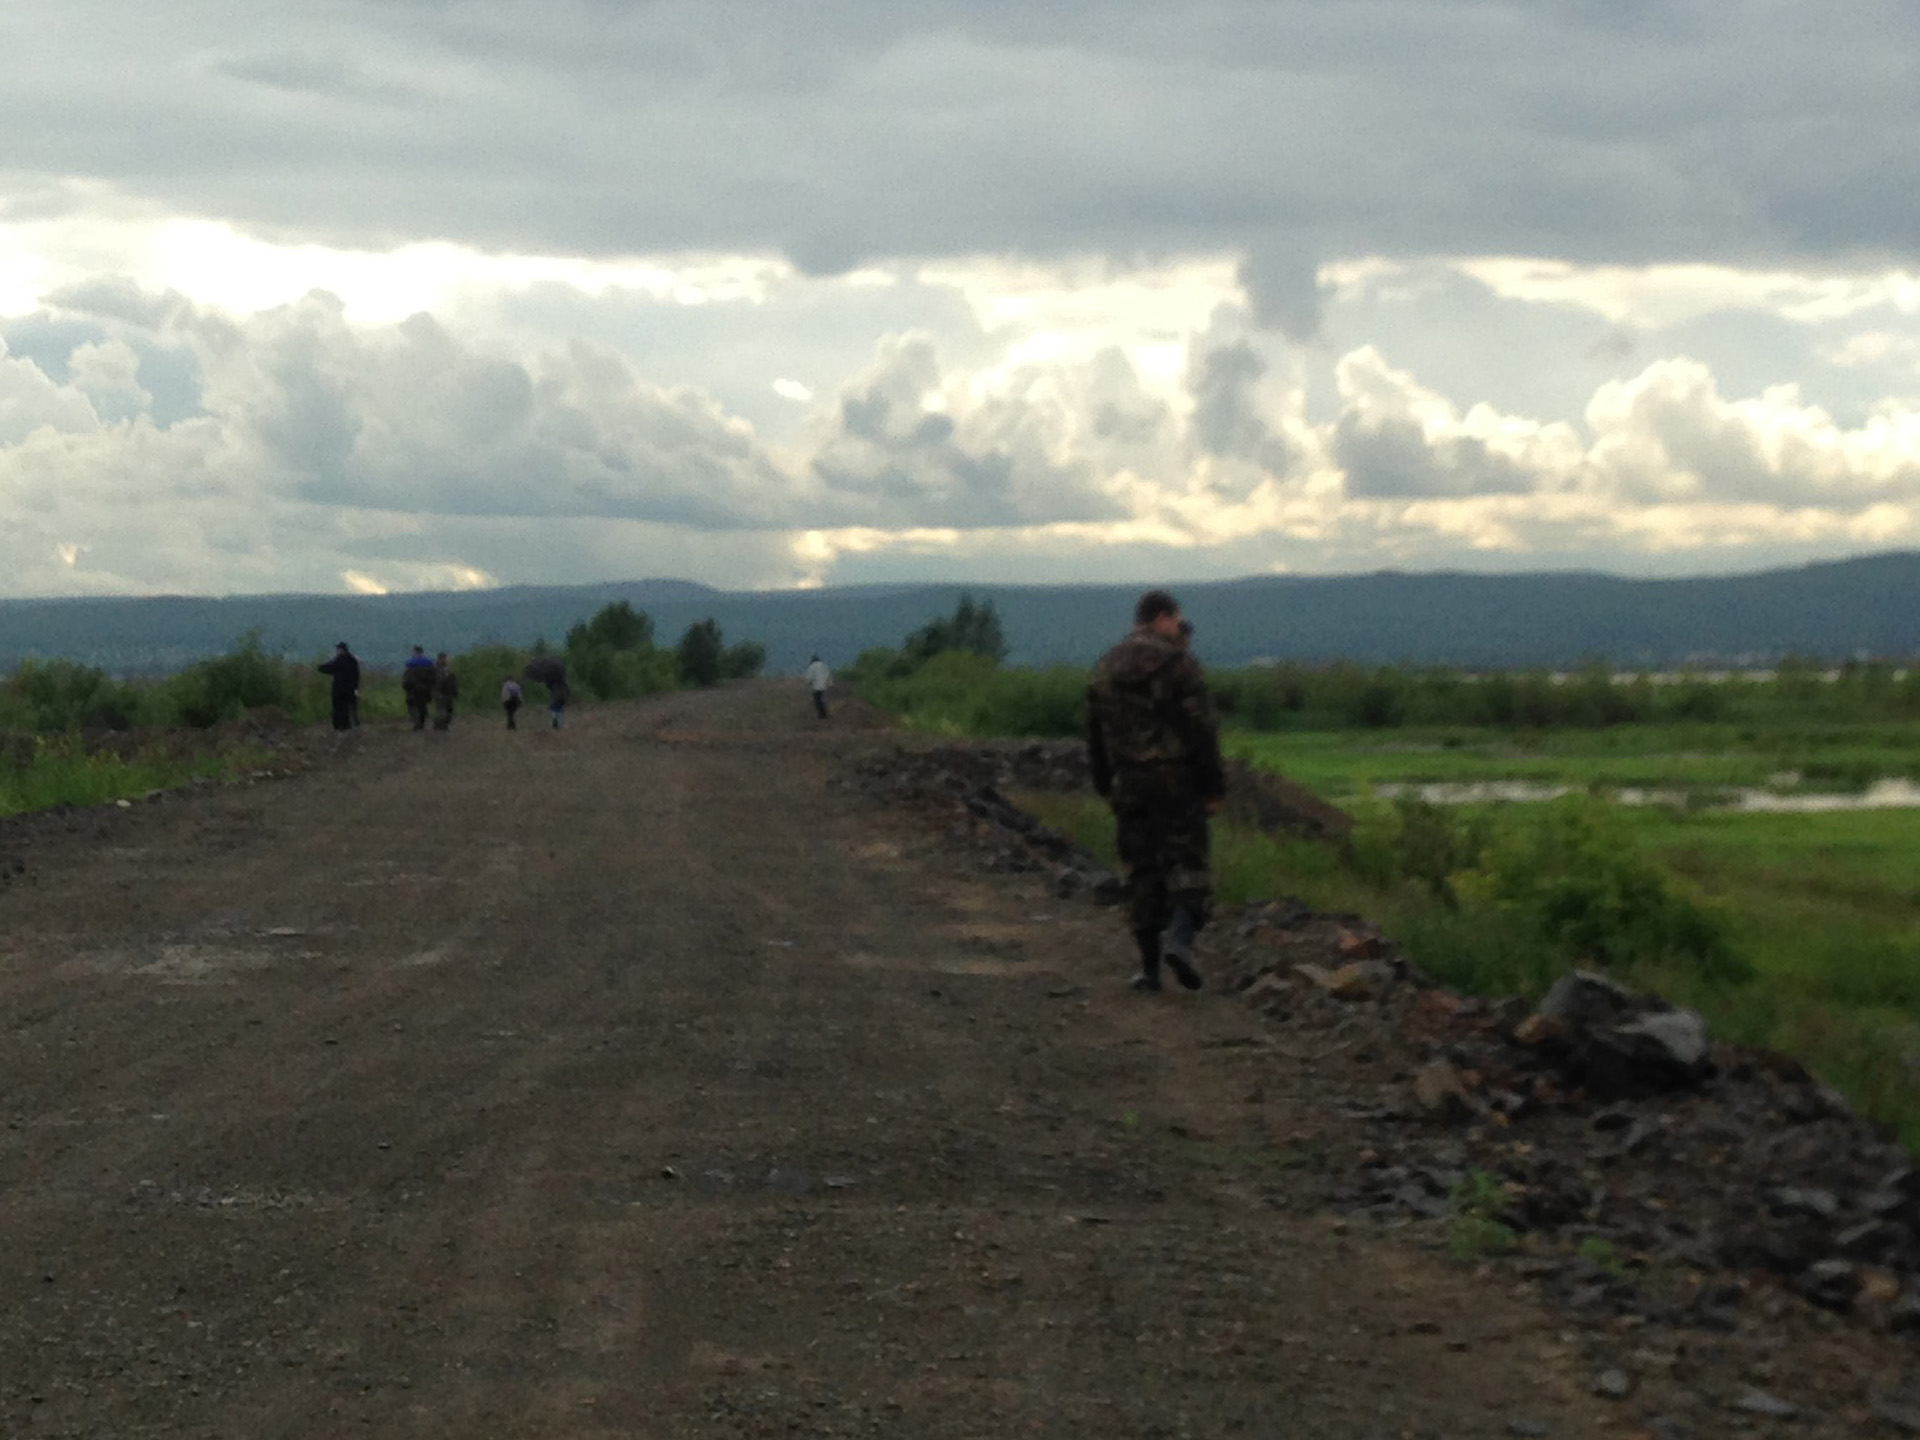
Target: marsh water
{"type": "Point", "coordinates": [1894, 794]}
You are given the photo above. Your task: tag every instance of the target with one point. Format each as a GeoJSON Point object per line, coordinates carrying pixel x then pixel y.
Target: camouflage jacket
{"type": "Point", "coordinates": [417, 682]}
{"type": "Point", "coordinates": [1150, 725]}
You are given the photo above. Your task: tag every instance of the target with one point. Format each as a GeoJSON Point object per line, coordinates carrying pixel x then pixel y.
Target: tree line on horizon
{"type": "Point", "coordinates": [949, 671]}
{"type": "Point", "coordinates": [948, 674]}
{"type": "Point", "coordinates": [611, 655]}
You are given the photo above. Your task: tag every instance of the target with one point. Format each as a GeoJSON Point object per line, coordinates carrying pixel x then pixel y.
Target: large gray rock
{"type": "Point", "coordinates": [1583, 999]}
{"type": "Point", "coordinates": [1617, 1043]}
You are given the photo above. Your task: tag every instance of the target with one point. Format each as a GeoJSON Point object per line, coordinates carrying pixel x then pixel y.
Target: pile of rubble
{"type": "Point", "coordinates": [1606, 1117]}
{"type": "Point", "coordinates": [1257, 799]}
{"type": "Point", "coordinates": [963, 786]}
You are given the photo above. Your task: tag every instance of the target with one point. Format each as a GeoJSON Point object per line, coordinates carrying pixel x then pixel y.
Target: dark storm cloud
{"type": "Point", "coordinates": [1282, 282]}
{"type": "Point", "coordinates": [1290, 129]}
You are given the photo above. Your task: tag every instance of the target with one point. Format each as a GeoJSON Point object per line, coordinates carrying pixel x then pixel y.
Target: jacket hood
{"type": "Point", "coordinates": [1141, 655]}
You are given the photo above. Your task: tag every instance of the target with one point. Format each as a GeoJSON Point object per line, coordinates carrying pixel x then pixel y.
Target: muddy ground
{"type": "Point", "coordinates": [651, 1078]}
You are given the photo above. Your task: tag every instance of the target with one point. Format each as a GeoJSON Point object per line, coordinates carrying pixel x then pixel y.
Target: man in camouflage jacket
{"type": "Point", "coordinates": [1154, 748]}
{"type": "Point", "coordinates": [417, 678]}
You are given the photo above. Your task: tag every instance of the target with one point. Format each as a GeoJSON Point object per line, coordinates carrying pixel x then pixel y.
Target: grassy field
{"type": "Point", "coordinates": [65, 773]}
{"type": "Point", "coordinates": [1823, 908]}
{"type": "Point", "coordinates": [1796, 930]}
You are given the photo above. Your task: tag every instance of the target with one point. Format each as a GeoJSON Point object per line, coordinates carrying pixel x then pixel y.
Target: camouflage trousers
{"type": "Point", "coordinates": [1164, 846]}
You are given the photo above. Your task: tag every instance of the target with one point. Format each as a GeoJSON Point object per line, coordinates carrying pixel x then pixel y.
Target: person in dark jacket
{"type": "Point", "coordinates": [345, 670]}
{"type": "Point", "coordinates": [446, 689]}
{"type": "Point", "coordinates": [416, 683]}
{"type": "Point", "coordinates": [1154, 750]}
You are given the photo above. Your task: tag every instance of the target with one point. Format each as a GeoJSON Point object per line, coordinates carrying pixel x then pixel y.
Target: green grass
{"type": "Point", "coordinates": [1247, 865]}
{"type": "Point", "coordinates": [1824, 908]}
{"type": "Point", "coordinates": [62, 773]}
{"type": "Point", "coordinates": [1801, 932]}
{"type": "Point", "coordinates": [1475, 1229]}
{"type": "Point", "coordinates": [1827, 908]}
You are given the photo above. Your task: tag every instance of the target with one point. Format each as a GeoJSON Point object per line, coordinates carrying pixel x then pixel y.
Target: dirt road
{"type": "Point", "coordinates": [644, 1080]}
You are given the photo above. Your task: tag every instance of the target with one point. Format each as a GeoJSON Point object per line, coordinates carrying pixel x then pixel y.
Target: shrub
{"type": "Point", "coordinates": [743, 661]}
{"type": "Point", "coordinates": [946, 693]}
{"type": "Point", "coordinates": [1572, 869]}
{"type": "Point", "coordinates": [1414, 839]}
{"type": "Point", "coordinates": [699, 653]}
{"type": "Point", "coordinates": [227, 686]}
{"type": "Point", "coordinates": [489, 665]}
{"type": "Point", "coordinates": [617, 626]}
{"type": "Point", "coordinates": [970, 627]}
{"type": "Point", "coordinates": [52, 695]}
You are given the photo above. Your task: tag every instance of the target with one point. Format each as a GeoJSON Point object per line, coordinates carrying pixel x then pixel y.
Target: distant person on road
{"type": "Point", "coordinates": [446, 689]}
{"type": "Point", "coordinates": [416, 683]}
{"type": "Point", "coordinates": [819, 681]}
{"type": "Point", "coordinates": [1154, 749]}
{"type": "Point", "coordinates": [511, 699]}
{"type": "Point", "coordinates": [551, 671]}
{"type": "Point", "coordinates": [345, 670]}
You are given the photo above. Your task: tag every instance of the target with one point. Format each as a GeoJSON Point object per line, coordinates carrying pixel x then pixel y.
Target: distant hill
{"type": "Point", "coordinates": [1864, 606]}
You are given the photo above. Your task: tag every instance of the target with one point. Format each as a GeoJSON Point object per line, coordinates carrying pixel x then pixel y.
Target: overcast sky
{"type": "Point", "coordinates": [361, 295]}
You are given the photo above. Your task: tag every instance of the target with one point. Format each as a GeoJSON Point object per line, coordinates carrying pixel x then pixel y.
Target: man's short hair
{"type": "Point", "coordinates": [1153, 605]}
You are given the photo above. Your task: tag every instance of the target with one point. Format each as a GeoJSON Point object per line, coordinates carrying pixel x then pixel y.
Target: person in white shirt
{"type": "Point", "coordinates": [819, 678]}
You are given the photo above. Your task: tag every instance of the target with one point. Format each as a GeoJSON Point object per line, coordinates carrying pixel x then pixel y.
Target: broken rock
{"type": "Point", "coordinates": [1359, 980]}
{"type": "Point", "coordinates": [1441, 1094]}
{"type": "Point", "coordinates": [1620, 1044]}
{"type": "Point", "coordinates": [1834, 1284]}
{"type": "Point", "coordinates": [1538, 1029]}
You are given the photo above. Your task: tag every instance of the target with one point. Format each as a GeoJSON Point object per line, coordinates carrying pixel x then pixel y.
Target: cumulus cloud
{"type": "Point", "coordinates": [412, 419]}
{"type": "Point", "coordinates": [1669, 435]}
{"type": "Point", "coordinates": [1102, 421]}
{"type": "Point", "coordinates": [1396, 440]}
{"type": "Point", "coordinates": [907, 443]}
{"type": "Point", "coordinates": [29, 402]}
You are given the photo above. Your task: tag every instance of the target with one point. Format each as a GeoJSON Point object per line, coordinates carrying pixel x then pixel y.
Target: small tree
{"type": "Point", "coordinates": [743, 661]}
{"type": "Point", "coordinates": [970, 627]}
{"type": "Point", "coordinates": [616, 626]}
{"type": "Point", "coordinates": [699, 653]}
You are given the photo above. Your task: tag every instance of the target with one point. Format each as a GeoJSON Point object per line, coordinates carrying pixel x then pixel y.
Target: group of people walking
{"type": "Point", "coordinates": [1153, 748]}
{"type": "Point", "coordinates": [430, 688]}
{"type": "Point", "coordinates": [429, 685]}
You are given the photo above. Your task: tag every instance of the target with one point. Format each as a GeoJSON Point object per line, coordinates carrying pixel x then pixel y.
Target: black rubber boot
{"type": "Point", "coordinates": [1176, 948]}
{"type": "Point", "coordinates": [1148, 980]}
